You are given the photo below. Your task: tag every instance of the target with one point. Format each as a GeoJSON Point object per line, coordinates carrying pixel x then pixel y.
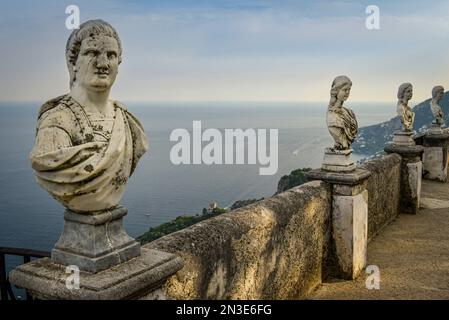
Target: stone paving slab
{"type": "Point", "coordinates": [412, 254]}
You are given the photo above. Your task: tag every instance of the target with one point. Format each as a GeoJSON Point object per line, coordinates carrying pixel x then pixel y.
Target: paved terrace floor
{"type": "Point", "coordinates": [412, 254]}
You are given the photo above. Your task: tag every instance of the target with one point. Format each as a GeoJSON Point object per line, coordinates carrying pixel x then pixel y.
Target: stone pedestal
{"type": "Point", "coordinates": [136, 278]}
{"type": "Point", "coordinates": [349, 219]}
{"type": "Point", "coordinates": [338, 160]}
{"type": "Point", "coordinates": [95, 249]}
{"type": "Point", "coordinates": [96, 241]}
{"type": "Point", "coordinates": [411, 175]}
{"type": "Point", "coordinates": [403, 138]}
{"type": "Point", "coordinates": [434, 160]}
{"type": "Point", "coordinates": [435, 128]}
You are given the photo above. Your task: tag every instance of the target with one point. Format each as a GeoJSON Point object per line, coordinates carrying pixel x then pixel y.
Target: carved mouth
{"type": "Point", "coordinates": [102, 73]}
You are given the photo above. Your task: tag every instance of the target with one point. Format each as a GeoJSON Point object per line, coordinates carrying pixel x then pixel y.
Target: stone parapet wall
{"type": "Point", "coordinates": [384, 190]}
{"type": "Point", "coordinates": [278, 248]}
{"type": "Point", "coordinates": [273, 249]}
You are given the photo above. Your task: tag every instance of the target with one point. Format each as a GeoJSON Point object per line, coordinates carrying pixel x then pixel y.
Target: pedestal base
{"type": "Point", "coordinates": [95, 241]}
{"type": "Point", "coordinates": [349, 220]}
{"type": "Point", "coordinates": [338, 160]}
{"type": "Point", "coordinates": [435, 129]}
{"type": "Point", "coordinates": [133, 279]}
{"type": "Point", "coordinates": [411, 175]}
{"type": "Point", "coordinates": [404, 138]}
{"type": "Point", "coordinates": [435, 155]}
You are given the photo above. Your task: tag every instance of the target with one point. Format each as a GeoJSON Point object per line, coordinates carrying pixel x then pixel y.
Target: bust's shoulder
{"type": "Point", "coordinates": [125, 110]}
{"type": "Point", "coordinates": [56, 112]}
{"type": "Point", "coordinates": [120, 105]}
{"type": "Point", "coordinates": [132, 119]}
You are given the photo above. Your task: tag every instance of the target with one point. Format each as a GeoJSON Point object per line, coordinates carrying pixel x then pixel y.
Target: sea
{"type": "Point", "coordinates": [159, 190]}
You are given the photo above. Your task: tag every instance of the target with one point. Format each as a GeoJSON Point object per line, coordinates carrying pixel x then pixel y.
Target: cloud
{"type": "Point", "coordinates": [233, 50]}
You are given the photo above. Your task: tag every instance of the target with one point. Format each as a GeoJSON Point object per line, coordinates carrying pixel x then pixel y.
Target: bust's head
{"type": "Point", "coordinates": [341, 87]}
{"type": "Point", "coordinates": [405, 91]}
{"type": "Point", "coordinates": [93, 54]}
{"type": "Point", "coordinates": [437, 93]}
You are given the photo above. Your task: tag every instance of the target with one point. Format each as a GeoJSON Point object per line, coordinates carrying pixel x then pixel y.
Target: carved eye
{"type": "Point", "coordinates": [90, 53]}
{"type": "Point", "coordinates": [112, 55]}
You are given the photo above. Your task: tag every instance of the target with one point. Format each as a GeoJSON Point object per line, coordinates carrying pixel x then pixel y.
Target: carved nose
{"type": "Point", "coordinates": [102, 62]}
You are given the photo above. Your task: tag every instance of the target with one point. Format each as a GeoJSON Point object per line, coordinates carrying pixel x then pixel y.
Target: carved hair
{"type": "Point", "coordinates": [338, 83]}
{"type": "Point", "coordinates": [437, 90]}
{"type": "Point", "coordinates": [402, 89]}
{"type": "Point", "coordinates": [88, 29]}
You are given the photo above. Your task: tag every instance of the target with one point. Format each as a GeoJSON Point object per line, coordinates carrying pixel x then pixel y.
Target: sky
{"type": "Point", "coordinates": [233, 50]}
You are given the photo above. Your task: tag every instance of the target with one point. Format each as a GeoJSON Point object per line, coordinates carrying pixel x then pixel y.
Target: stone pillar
{"type": "Point", "coordinates": [108, 262]}
{"type": "Point", "coordinates": [411, 174]}
{"type": "Point", "coordinates": [349, 219]}
{"type": "Point", "coordinates": [435, 155]}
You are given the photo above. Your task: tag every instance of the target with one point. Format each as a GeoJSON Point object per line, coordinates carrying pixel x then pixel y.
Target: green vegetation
{"type": "Point", "coordinates": [295, 178]}
{"type": "Point", "coordinates": [179, 223]}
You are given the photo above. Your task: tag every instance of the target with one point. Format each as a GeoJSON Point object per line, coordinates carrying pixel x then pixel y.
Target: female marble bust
{"type": "Point", "coordinates": [405, 93]}
{"type": "Point", "coordinates": [341, 121]}
{"type": "Point", "coordinates": [437, 96]}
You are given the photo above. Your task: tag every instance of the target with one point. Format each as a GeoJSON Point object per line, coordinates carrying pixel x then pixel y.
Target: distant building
{"type": "Point", "coordinates": [212, 206]}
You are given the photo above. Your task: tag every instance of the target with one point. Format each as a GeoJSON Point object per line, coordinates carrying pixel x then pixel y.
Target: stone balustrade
{"type": "Point", "coordinates": [282, 247]}
{"type": "Point", "coordinates": [279, 248]}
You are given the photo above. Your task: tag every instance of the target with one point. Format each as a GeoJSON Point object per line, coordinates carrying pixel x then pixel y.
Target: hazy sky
{"type": "Point", "coordinates": [234, 50]}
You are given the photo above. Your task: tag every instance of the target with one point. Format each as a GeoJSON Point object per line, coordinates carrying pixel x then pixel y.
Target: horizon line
{"type": "Point", "coordinates": [216, 101]}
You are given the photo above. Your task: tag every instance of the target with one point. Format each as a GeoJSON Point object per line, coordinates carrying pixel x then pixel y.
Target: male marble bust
{"type": "Point", "coordinates": [87, 146]}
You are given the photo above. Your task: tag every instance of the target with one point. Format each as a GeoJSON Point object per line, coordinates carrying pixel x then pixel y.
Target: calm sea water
{"type": "Point", "coordinates": [160, 191]}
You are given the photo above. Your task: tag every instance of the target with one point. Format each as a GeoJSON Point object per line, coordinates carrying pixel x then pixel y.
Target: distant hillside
{"type": "Point", "coordinates": [295, 178]}
{"type": "Point", "coordinates": [371, 140]}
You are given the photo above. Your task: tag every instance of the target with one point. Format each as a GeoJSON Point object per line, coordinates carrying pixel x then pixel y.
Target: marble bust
{"type": "Point", "coordinates": [341, 121]}
{"type": "Point", "coordinates": [405, 93]}
{"type": "Point", "coordinates": [87, 145]}
{"type": "Point", "coordinates": [437, 111]}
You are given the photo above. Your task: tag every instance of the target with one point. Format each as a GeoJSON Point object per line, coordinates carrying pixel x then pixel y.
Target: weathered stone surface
{"type": "Point", "coordinates": [95, 242]}
{"type": "Point", "coordinates": [349, 220]}
{"type": "Point", "coordinates": [435, 163]}
{"type": "Point", "coordinates": [269, 250]}
{"type": "Point", "coordinates": [134, 279]}
{"type": "Point", "coordinates": [403, 138]}
{"type": "Point", "coordinates": [435, 156]}
{"type": "Point", "coordinates": [413, 187]}
{"type": "Point", "coordinates": [384, 189]}
{"type": "Point", "coordinates": [411, 175]}
{"type": "Point", "coordinates": [434, 139]}
{"type": "Point", "coordinates": [350, 232]}
{"type": "Point", "coordinates": [341, 178]}
{"type": "Point", "coordinates": [338, 160]}
{"type": "Point", "coordinates": [413, 152]}
{"type": "Point", "coordinates": [435, 129]}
